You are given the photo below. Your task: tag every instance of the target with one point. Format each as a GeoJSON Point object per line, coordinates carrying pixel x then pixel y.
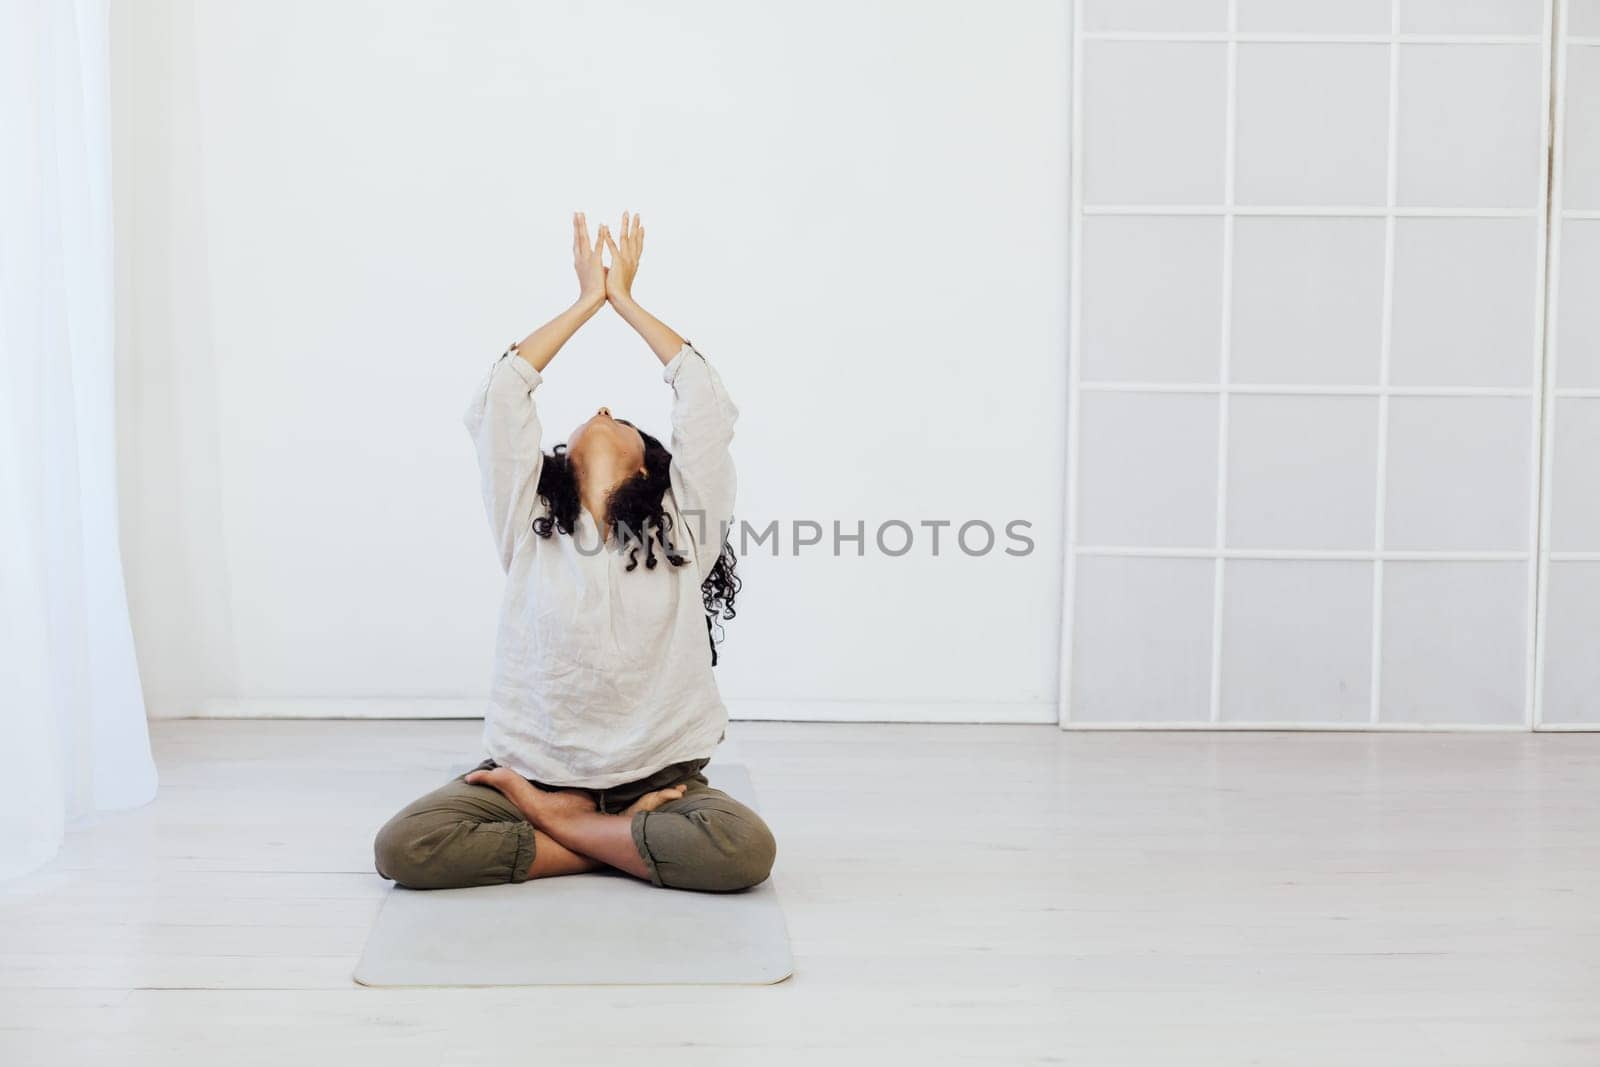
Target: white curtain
{"type": "Point", "coordinates": [73, 739]}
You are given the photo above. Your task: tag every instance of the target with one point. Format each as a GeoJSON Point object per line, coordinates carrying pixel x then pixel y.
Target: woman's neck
{"type": "Point", "coordinates": [595, 483]}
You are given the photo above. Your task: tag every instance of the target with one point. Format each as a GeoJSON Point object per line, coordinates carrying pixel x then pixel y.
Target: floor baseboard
{"type": "Point", "coordinates": [749, 710]}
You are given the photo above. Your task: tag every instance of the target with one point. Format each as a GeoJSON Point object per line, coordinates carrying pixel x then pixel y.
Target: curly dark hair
{"type": "Point", "coordinates": [638, 520]}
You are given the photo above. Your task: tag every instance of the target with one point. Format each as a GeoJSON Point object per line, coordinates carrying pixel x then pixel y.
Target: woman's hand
{"type": "Point", "coordinates": [590, 264]}
{"type": "Point", "coordinates": [624, 259]}
{"type": "Point", "coordinates": [663, 341]}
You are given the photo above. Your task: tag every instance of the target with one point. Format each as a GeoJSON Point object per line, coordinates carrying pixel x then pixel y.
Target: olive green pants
{"type": "Point", "coordinates": [465, 835]}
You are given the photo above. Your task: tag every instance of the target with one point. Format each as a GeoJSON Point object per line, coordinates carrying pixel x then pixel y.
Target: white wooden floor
{"type": "Point", "coordinates": [954, 894]}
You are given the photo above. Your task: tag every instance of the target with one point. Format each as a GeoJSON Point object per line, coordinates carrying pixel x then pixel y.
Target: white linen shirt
{"type": "Point", "coordinates": [602, 675]}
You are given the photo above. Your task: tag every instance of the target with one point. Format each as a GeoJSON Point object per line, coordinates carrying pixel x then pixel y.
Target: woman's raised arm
{"type": "Point", "coordinates": [502, 416]}
{"type": "Point", "coordinates": [703, 476]}
{"type": "Point", "coordinates": [541, 346]}
{"type": "Point", "coordinates": [703, 415]}
{"type": "Point", "coordinates": [662, 339]}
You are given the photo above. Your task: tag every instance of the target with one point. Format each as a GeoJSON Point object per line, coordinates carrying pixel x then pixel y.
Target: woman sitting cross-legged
{"type": "Point", "coordinates": [603, 711]}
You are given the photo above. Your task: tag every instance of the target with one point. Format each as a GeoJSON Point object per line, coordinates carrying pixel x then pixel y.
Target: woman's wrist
{"type": "Point", "coordinates": [589, 303]}
{"type": "Point", "coordinates": [631, 312]}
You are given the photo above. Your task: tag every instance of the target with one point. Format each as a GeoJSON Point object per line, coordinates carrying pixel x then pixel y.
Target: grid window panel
{"type": "Point", "coordinates": [1577, 326]}
{"type": "Point", "coordinates": [1133, 264]}
{"type": "Point", "coordinates": [1150, 478]}
{"type": "Point", "coordinates": [1142, 639]}
{"type": "Point", "coordinates": [1313, 16]}
{"type": "Point", "coordinates": [1465, 302]}
{"type": "Point", "coordinates": [1153, 122]}
{"type": "Point", "coordinates": [1571, 636]}
{"type": "Point", "coordinates": [1307, 300]}
{"type": "Point", "coordinates": [1312, 123]}
{"type": "Point", "coordinates": [1454, 642]}
{"type": "Point", "coordinates": [1302, 472]}
{"type": "Point", "coordinates": [1470, 125]}
{"type": "Point", "coordinates": [1338, 142]}
{"type": "Point", "coordinates": [1575, 479]}
{"type": "Point", "coordinates": [1297, 641]}
{"type": "Point", "coordinates": [1581, 138]}
{"type": "Point", "coordinates": [1170, 16]}
{"type": "Point", "coordinates": [1460, 474]}
{"type": "Point", "coordinates": [1471, 16]}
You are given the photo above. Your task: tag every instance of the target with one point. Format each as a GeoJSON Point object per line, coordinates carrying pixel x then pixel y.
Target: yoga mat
{"type": "Point", "coordinates": [602, 928]}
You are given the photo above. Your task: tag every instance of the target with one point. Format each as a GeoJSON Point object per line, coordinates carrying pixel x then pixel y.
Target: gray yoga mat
{"type": "Point", "coordinates": [604, 928]}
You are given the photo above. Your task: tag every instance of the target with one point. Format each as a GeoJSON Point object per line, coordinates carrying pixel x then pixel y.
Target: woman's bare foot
{"type": "Point", "coordinates": [541, 807]}
{"type": "Point", "coordinates": [652, 801]}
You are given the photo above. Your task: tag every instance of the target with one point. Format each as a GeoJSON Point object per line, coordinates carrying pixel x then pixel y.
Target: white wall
{"type": "Point", "coordinates": [332, 215]}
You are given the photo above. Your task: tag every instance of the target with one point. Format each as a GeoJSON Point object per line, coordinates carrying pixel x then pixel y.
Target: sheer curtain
{"type": "Point", "coordinates": [73, 739]}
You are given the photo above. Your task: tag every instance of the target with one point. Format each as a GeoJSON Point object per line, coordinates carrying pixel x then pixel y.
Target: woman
{"type": "Point", "coordinates": [603, 711]}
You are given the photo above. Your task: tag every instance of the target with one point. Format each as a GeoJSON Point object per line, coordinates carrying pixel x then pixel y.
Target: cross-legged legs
{"type": "Point", "coordinates": [499, 827]}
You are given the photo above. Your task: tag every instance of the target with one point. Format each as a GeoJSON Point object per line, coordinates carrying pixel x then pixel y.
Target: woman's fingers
{"type": "Point", "coordinates": [580, 237]}
{"type": "Point", "coordinates": [628, 240]}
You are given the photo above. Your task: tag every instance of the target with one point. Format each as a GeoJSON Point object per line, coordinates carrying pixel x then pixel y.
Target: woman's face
{"type": "Point", "coordinates": [605, 443]}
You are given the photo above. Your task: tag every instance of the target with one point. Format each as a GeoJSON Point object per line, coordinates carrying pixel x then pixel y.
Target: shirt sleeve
{"type": "Point", "coordinates": [504, 423]}
{"type": "Point", "coordinates": [702, 472]}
